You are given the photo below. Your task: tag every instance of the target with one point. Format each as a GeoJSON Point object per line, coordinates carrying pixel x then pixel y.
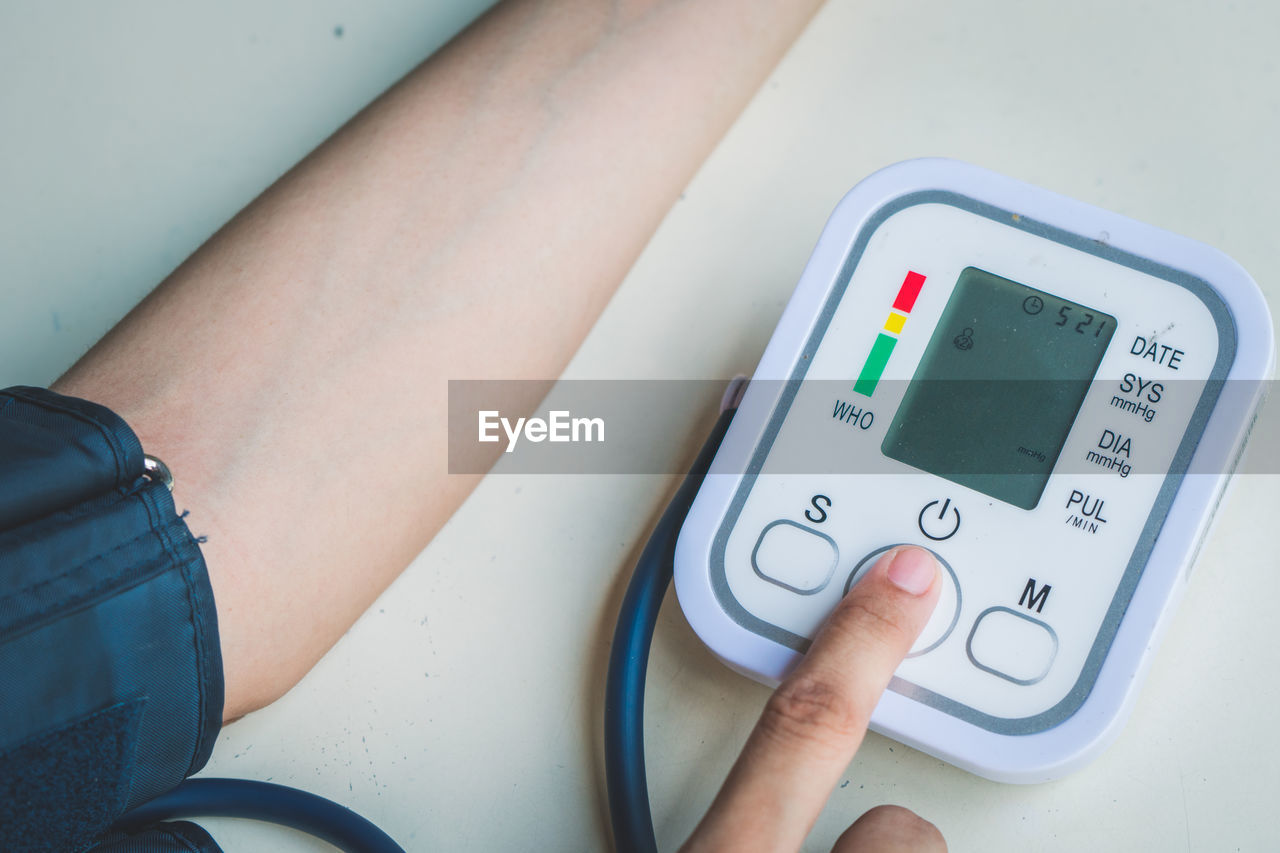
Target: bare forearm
{"type": "Point", "coordinates": [472, 223]}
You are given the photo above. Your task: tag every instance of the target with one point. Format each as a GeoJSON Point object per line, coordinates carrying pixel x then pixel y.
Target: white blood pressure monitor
{"type": "Point", "coordinates": [1042, 393]}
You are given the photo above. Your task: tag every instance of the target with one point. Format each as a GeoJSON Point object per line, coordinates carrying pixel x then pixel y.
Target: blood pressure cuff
{"type": "Point", "coordinates": [110, 671]}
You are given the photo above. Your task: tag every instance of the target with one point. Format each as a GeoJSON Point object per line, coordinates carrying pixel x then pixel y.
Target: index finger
{"type": "Point", "coordinates": [816, 719]}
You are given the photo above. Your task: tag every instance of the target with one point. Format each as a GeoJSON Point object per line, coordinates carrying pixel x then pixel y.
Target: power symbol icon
{"type": "Point", "coordinates": [940, 525]}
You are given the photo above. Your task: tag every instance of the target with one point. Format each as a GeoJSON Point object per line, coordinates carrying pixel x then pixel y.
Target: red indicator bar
{"type": "Point", "coordinates": [908, 293]}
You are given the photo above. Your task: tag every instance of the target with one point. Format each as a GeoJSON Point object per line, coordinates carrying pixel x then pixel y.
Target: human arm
{"type": "Point", "coordinates": [471, 223]}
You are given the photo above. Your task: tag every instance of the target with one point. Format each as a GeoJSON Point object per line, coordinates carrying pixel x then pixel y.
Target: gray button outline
{"type": "Point", "coordinates": [968, 645]}
{"type": "Point", "coordinates": [955, 617]}
{"type": "Point", "coordinates": [835, 561]}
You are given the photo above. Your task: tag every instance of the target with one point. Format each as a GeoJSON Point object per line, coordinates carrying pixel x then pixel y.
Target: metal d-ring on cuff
{"type": "Point", "coordinates": [155, 469]}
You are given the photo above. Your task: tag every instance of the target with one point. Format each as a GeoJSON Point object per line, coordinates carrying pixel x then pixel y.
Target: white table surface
{"type": "Point", "coordinates": [463, 711]}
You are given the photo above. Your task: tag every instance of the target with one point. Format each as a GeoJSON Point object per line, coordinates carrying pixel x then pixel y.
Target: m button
{"type": "Point", "coordinates": [1012, 645]}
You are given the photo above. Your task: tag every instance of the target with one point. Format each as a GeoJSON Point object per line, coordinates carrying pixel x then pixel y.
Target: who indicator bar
{"type": "Point", "coordinates": [907, 294]}
{"type": "Point", "coordinates": [876, 362]}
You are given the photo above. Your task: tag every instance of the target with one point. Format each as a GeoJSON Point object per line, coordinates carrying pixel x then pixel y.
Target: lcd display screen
{"type": "Point", "coordinates": [998, 387]}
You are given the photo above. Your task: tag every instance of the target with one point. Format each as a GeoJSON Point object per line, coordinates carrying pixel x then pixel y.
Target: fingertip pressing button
{"type": "Point", "coordinates": [795, 557]}
{"type": "Point", "coordinates": [946, 613]}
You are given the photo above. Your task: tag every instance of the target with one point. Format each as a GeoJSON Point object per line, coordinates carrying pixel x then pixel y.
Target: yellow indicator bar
{"type": "Point", "coordinates": [895, 323]}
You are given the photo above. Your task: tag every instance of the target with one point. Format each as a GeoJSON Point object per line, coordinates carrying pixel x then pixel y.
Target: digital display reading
{"type": "Point", "coordinates": [998, 387]}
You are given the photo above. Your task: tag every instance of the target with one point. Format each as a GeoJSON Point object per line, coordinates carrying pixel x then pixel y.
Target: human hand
{"type": "Point", "coordinates": [816, 719]}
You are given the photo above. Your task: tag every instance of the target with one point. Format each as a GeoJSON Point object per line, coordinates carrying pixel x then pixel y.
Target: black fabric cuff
{"type": "Point", "coordinates": [109, 651]}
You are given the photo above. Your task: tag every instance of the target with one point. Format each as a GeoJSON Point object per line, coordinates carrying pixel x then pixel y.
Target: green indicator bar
{"type": "Point", "coordinates": [874, 366]}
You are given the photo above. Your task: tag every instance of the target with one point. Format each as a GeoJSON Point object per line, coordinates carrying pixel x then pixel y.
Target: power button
{"type": "Point", "coordinates": [939, 520]}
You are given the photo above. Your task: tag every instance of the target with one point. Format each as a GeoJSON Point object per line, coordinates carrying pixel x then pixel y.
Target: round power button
{"type": "Point", "coordinates": [945, 614]}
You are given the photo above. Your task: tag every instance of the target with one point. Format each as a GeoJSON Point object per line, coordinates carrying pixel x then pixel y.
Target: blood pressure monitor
{"type": "Point", "coordinates": [1048, 396]}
